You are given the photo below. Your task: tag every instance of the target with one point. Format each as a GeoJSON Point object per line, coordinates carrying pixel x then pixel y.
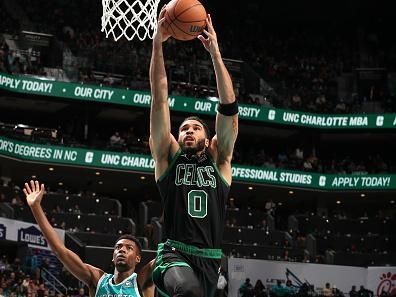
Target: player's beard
{"type": "Point", "coordinates": [195, 149]}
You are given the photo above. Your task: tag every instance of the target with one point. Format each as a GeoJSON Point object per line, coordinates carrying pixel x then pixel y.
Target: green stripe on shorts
{"type": "Point", "coordinates": [193, 250]}
{"type": "Point", "coordinates": [162, 266]}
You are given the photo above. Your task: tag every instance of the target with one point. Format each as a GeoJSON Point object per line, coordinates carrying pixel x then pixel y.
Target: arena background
{"type": "Point", "coordinates": [313, 197]}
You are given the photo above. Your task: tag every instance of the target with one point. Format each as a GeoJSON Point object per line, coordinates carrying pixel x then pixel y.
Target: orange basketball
{"type": "Point", "coordinates": [185, 19]}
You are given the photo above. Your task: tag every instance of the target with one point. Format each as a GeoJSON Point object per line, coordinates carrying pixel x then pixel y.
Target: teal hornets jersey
{"type": "Point", "coordinates": [127, 288]}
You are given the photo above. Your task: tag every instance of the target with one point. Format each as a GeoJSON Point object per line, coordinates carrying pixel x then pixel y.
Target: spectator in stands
{"type": "Point", "coordinates": [233, 222]}
{"type": "Point", "coordinates": [291, 290]}
{"type": "Point", "coordinates": [311, 291]}
{"type": "Point", "coordinates": [232, 204]}
{"type": "Point", "coordinates": [259, 289]}
{"type": "Point", "coordinates": [63, 225]}
{"type": "Point", "coordinates": [299, 154]}
{"type": "Point", "coordinates": [19, 290]}
{"type": "Point", "coordinates": [363, 292]}
{"type": "Point", "coordinates": [327, 291]}
{"type": "Point", "coordinates": [115, 139]}
{"type": "Point", "coordinates": [2, 63]}
{"type": "Point", "coordinates": [130, 138]}
{"type": "Point", "coordinates": [76, 209]}
{"type": "Point", "coordinates": [11, 279]}
{"type": "Point", "coordinates": [46, 264]}
{"type": "Point", "coordinates": [126, 253]}
{"type": "Point", "coordinates": [36, 276]}
{"type": "Point", "coordinates": [15, 63]}
{"type": "Point", "coordinates": [278, 290]}
{"type": "Point", "coordinates": [306, 258]}
{"type": "Point", "coordinates": [246, 289]}
{"type": "Point", "coordinates": [319, 259]}
{"type": "Point", "coordinates": [81, 293]}
{"type": "Point", "coordinates": [68, 279]}
{"type": "Point", "coordinates": [263, 225]}
{"type": "Point", "coordinates": [16, 266]}
{"type": "Point", "coordinates": [25, 283]}
{"type": "Point", "coordinates": [31, 288]}
{"type": "Point", "coordinates": [337, 292]}
{"type": "Point", "coordinates": [353, 292]}
{"type": "Point", "coordinates": [57, 209]}
{"type": "Point", "coordinates": [286, 255]}
{"type": "Point", "coordinates": [17, 201]}
{"type": "Point", "coordinates": [41, 291]}
{"type": "Point", "coordinates": [270, 207]}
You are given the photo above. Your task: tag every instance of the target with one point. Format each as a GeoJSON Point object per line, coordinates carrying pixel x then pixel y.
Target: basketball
{"type": "Point", "coordinates": [185, 19]}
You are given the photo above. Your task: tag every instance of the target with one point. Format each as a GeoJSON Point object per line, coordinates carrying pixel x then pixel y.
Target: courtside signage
{"type": "Point", "coordinates": [97, 93]}
{"type": "Point", "coordinates": [25, 232]}
{"type": "Point", "coordinates": [145, 163]}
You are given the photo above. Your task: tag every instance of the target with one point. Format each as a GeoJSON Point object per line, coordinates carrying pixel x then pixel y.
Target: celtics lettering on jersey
{"type": "Point", "coordinates": [191, 175]}
{"type": "Point", "coordinates": [193, 195]}
{"type": "Point", "coordinates": [201, 176]}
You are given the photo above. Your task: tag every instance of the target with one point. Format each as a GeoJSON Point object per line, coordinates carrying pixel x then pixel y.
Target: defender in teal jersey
{"type": "Point", "coordinates": [126, 255]}
{"type": "Point", "coordinates": [127, 288]}
{"type": "Point", "coordinates": [193, 174]}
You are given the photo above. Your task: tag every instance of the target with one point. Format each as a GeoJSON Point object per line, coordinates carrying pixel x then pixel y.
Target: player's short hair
{"type": "Point", "coordinates": [195, 118]}
{"type": "Point", "coordinates": [132, 238]}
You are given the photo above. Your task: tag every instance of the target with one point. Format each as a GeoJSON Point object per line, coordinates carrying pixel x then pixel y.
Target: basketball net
{"type": "Point", "coordinates": [129, 18]}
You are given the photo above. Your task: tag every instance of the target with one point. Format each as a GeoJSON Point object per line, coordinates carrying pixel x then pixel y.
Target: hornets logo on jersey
{"type": "Point", "coordinates": [127, 288]}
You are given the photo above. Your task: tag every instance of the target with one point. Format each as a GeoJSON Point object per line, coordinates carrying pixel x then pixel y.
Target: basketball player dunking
{"type": "Point", "coordinates": [193, 175]}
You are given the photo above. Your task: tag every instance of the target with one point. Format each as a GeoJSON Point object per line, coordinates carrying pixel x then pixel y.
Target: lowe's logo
{"type": "Point", "coordinates": [32, 235]}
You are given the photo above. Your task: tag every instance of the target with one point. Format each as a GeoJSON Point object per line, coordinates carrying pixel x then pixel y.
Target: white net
{"type": "Point", "coordinates": [129, 18]}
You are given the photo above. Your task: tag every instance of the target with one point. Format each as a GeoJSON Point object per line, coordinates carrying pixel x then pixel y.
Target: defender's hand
{"type": "Point", "coordinates": [34, 193]}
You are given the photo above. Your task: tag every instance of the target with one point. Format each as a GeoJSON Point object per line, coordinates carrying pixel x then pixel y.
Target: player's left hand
{"type": "Point", "coordinates": [210, 43]}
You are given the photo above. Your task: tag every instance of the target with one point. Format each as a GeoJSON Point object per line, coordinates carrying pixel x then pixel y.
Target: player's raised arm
{"type": "Point", "coordinates": [227, 114]}
{"type": "Point", "coordinates": [160, 128]}
{"type": "Point", "coordinates": [86, 273]}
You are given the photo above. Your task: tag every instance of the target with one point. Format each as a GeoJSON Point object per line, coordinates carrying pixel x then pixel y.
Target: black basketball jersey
{"type": "Point", "coordinates": [194, 194]}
